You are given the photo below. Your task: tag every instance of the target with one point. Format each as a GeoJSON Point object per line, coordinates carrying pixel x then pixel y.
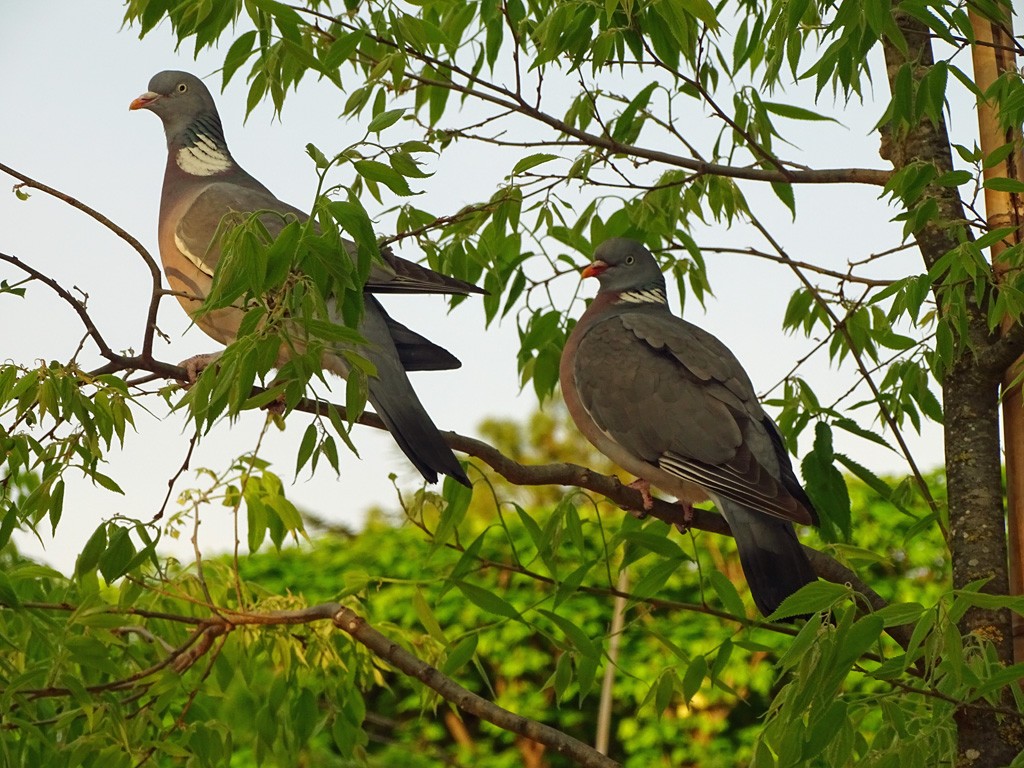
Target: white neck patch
{"type": "Point", "coordinates": [204, 158]}
{"type": "Point", "coordinates": [649, 296]}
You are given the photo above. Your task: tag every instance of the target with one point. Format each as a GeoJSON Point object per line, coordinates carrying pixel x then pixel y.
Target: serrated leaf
{"type": "Point", "coordinates": [532, 161]}
{"type": "Point", "coordinates": [858, 639]}
{"type": "Point", "coordinates": [896, 614]}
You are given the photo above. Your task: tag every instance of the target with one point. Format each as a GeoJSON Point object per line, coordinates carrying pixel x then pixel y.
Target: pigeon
{"type": "Point", "coordinates": [203, 183]}
{"type": "Point", "coordinates": [671, 404]}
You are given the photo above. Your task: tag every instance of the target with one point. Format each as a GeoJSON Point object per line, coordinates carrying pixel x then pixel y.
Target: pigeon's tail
{"type": "Point", "coordinates": [395, 401]}
{"type": "Point", "coordinates": [773, 560]}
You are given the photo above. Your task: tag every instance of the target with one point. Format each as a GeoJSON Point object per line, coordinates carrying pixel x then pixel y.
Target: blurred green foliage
{"type": "Point", "coordinates": [514, 599]}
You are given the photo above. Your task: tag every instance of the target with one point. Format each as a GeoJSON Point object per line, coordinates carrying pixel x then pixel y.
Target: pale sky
{"type": "Point", "coordinates": [70, 72]}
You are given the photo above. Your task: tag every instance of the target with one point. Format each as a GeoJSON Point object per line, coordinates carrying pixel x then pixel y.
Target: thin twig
{"type": "Point", "coordinates": [887, 416]}
{"type": "Point", "coordinates": [70, 300]}
{"type": "Point", "coordinates": [174, 479]}
{"type": "Point", "coordinates": [154, 269]}
{"type": "Point", "coordinates": [504, 98]}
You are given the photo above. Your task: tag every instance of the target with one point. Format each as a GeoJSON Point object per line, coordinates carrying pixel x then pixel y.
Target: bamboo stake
{"type": "Point", "coordinates": [993, 55]}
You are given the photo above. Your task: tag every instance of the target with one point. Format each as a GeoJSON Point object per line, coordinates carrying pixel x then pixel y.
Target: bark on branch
{"type": "Point", "coordinates": [465, 699]}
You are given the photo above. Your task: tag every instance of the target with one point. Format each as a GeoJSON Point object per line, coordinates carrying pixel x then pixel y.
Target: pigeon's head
{"type": "Point", "coordinates": [621, 264]}
{"type": "Point", "coordinates": [177, 98]}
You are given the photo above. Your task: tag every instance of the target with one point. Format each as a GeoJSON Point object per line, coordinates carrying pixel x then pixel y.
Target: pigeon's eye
{"type": "Point", "coordinates": [182, 87]}
{"type": "Point", "coordinates": [629, 259]}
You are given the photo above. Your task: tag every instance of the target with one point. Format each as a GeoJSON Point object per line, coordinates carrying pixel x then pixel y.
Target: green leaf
{"type": "Point", "coordinates": [826, 486]}
{"type": "Point", "coordinates": [727, 593]}
{"type": "Point", "coordinates": [700, 9]}
{"type": "Point", "coordinates": [459, 655]}
{"type": "Point", "coordinates": [997, 155]}
{"type": "Point", "coordinates": [306, 446]}
{"type": "Point", "coordinates": [861, 636]}
{"type": "Point", "coordinates": [92, 550]}
{"type": "Point", "coordinates": [1005, 185]}
{"type": "Point", "coordinates": [627, 127]}
{"type": "Point", "coordinates": [720, 663]}
{"type": "Point", "coordinates": [896, 614]}
{"type": "Point", "coordinates": [118, 554]}
{"type": "Point", "coordinates": [427, 618]}
{"type": "Point", "coordinates": [385, 174]}
{"type": "Point", "coordinates": [576, 636]}
{"type": "Point", "coordinates": [237, 55]}
{"type": "Point", "coordinates": [652, 582]}
{"type": "Point", "coordinates": [694, 677]}
{"type": "Point", "coordinates": [487, 600]}
{"type": "Point", "coordinates": [784, 192]}
{"type": "Point", "coordinates": [825, 729]}
{"type": "Point", "coordinates": [810, 598]}
{"type": "Point", "coordinates": [8, 594]}
{"type": "Point", "coordinates": [532, 161]}
{"type": "Point", "coordinates": [534, 530]}
{"type": "Point", "coordinates": [319, 158]}
{"type": "Point", "coordinates": [105, 481]}
{"type": "Point", "coordinates": [794, 112]}
{"type": "Point", "coordinates": [384, 120]}
{"type": "Point", "coordinates": [664, 690]}
{"type": "Point", "coordinates": [458, 497]}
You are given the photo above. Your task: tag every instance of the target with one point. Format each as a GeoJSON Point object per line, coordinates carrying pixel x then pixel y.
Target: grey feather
{"type": "Point", "coordinates": [671, 403]}
{"type": "Point", "coordinates": [203, 186]}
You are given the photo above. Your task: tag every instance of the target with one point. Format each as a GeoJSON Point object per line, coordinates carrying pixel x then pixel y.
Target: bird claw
{"type": "Point", "coordinates": [684, 526]}
{"type": "Point", "coordinates": [645, 492]}
{"type": "Point", "coordinates": [276, 407]}
{"type": "Point", "coordinates": [196, 364]}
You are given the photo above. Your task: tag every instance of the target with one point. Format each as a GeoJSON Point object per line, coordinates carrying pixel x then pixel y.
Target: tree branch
{"type": "Point", "coordinates": [154, 268]}
{"type": "Point", "coordinates": [511, 100]}
{"type": "Point", "coordinates": [464, 699]}
{"type": "Point", "coordinates": [75, 304]}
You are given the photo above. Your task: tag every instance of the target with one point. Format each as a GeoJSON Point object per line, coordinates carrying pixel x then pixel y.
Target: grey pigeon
{"type": "Point", "coordinates": [203, 183]}
{"type": "Point", "coordinates": [671, 404]}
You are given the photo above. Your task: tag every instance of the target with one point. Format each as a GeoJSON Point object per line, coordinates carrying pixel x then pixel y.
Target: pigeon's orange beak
{"type": "Point", "coordinates": [594, 269]}
{"type": "Point", "coordinates": [144, 100]}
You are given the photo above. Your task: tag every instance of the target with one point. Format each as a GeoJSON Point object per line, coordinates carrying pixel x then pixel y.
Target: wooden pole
{"type": "Point", "coordinates": [993, 54]}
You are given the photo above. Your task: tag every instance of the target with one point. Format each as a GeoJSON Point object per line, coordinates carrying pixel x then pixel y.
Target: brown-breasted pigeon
{"type": "Point", "coordinates": [671, 404]}
{"type": "Point", "coordinates": [203, 183]}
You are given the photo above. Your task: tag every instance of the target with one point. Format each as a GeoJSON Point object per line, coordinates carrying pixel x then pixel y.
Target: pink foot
{"type": "Point", "coordinates": [684, 526]}
{"type": "Point", "coordinates": [196, 364]}
{"type": "Point", "coordinates": [645, 492]}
